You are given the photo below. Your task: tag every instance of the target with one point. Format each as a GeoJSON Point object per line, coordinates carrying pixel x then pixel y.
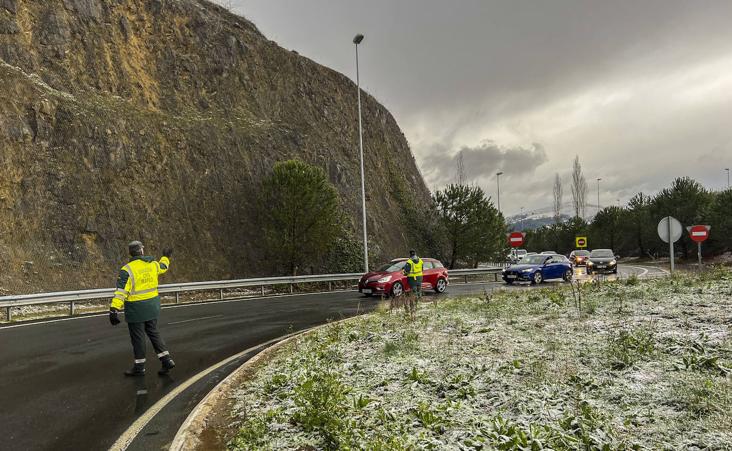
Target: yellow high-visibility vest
{"type": "Point", "coordinates": [415, 268]}
{"type": "Point", "coordinates": [142, 283]}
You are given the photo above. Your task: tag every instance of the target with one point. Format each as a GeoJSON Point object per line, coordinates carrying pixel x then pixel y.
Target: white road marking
{"type": "Point", "coordinates": [131, 433]}
{"type": "Point", "coordinates": [195, 319]}
{"type": "Point", "coordinates": [645, 270]}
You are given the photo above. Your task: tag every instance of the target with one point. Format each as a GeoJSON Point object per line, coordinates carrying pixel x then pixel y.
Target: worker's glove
{"type": "Point", "coordinates": [113, 318]}
{"type": "Point", "coordinates": [167, 252]}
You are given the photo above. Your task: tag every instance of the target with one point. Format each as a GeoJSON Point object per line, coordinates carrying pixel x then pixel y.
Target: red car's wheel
{"type": "Point", "coordinates": [441, 285]}
{"type": "Point", "coordinates": [397, 289]}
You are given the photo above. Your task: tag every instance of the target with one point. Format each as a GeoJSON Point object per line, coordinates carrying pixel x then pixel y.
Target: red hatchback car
{"type": "Point", "coordinates": [389, 280]}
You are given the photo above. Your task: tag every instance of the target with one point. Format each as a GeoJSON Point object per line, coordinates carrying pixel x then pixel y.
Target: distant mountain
{"type": "Point", "coordinates": [520, 223]}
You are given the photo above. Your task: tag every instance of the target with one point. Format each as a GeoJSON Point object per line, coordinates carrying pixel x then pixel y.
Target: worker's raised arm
{"type": "Point", "coordinates": [164, 262]}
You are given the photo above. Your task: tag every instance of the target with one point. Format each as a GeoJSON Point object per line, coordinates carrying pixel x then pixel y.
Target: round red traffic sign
{"type": "Point", "coordinates": [699, 233]}
{"type": "Point", "coordinates": [516, 239]}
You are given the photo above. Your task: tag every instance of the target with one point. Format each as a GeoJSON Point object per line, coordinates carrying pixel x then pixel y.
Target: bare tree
{"type": "Point", "coordinates": [557, 198]}
{"type": "Point", "coordinates": [460, 169]}
{"type": "Point", "coordinates": [579, 189]}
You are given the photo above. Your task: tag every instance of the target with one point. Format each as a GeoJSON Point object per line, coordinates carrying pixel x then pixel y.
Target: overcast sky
{"type": "Point", "coordinates": [640, 90]}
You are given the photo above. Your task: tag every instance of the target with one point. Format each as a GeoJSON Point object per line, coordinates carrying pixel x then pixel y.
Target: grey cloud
{"type": "Point", "coordinates": [612, 82]}
{"type": "Point", "coordinates": [482, 162]}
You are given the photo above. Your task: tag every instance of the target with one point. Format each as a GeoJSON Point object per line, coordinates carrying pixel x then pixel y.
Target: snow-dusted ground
{"type": "Point", "coordinates": [644, 364]}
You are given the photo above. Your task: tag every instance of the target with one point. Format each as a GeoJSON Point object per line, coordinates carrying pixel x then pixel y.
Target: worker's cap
{"type": "Point", "coordinates": [412, 252]}
{"type": "Point", "coordinates": [135, 247]}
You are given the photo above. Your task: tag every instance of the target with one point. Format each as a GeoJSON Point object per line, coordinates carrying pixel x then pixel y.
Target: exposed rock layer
{"type": "Point", "coordinates": [157, 120]}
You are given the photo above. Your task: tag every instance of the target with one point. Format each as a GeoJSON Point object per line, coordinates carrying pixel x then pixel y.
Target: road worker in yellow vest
{"type": "Point", "coordinates": [413, 271]}
{"type": "Point", "coordinates": [137, 295]}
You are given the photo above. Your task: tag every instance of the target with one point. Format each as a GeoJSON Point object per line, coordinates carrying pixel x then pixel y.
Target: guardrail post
{"type": "Point", "coordinates": [262, 290]}
{"type": "Point", "coordinates": [71, 308]}
{"type": "Point", "coordinates": [330, 286]}
{"type": "Point", "coordinates": [221, 294]}
{"type": "Point", "coordinates": [495, 276]}
{"type": "Point", "coordinates": [7, 313]}
{"type": "Point", "coordinates": [177, 297]}
{"type": "Point", "coordinates": [466, 279]}
{"type": "Point", "coordinates": [292, 288]}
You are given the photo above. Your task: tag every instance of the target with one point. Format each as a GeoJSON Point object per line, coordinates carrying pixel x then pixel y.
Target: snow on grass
{"type": "Point", "coordinates": [634, 365]}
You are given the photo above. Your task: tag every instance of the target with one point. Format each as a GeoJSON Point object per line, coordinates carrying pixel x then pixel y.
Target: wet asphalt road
{"type": "Point", "coordinates": [61, 382]}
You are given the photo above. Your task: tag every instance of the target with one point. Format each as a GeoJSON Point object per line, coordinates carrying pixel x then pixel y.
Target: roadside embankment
{"type": "Point", "coordinates": [618, 365]}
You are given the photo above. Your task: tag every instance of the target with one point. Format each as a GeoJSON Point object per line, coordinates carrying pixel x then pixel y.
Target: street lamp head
{"type": "Point", "coordinates": [357, 39]}
{"type": "Point", "coordinates": [499, 173]}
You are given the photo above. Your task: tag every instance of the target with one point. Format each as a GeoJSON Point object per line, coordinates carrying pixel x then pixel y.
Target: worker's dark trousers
{"type": "Point", "coordinates": [415, 283]}
{"type": "Point", "coordinates": [137, 334]}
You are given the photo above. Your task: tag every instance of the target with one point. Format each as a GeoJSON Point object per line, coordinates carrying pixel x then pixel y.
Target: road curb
{"type": "Point", "coordinates": [188, 435]}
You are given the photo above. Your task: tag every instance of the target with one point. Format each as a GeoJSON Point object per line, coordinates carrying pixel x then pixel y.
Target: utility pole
{"type": "Point", "coordinates": [598, 194]}
{"type": "Point", "coordinates": [727, 169]}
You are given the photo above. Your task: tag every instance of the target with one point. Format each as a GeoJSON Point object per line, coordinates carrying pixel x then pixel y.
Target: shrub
{"type": "Point", "coordinates": [629, 346]}
{"type": "Point", "coordinates": [321, 406]}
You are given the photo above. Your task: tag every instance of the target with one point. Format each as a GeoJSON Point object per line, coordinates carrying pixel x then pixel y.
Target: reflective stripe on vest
{"type": "Point", "coordinates": [415, 268]}
{"type": "Point", "coordinates": [143, 280]}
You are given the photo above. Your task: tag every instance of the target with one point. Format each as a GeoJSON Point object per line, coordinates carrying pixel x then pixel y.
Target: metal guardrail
{"type": "Point", "coordinates": [71, 297]}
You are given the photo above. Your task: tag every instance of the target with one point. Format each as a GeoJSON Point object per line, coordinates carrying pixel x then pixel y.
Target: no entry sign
{"type": "Point", "coordinates": [516, 239]}
{"type": "Point", "coordinates": [699, 233]}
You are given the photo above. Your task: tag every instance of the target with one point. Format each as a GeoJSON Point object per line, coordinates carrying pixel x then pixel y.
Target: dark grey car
{"type": "Point", "coordinates": [602, 260]}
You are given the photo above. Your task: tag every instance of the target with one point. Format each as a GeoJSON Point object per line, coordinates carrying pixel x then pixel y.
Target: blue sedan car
{"type": "Point", "coordinates": [538, 268]}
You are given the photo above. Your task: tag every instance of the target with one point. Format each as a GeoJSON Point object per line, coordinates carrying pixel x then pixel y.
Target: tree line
{"type": "Point", "coordinates": [632, 230]}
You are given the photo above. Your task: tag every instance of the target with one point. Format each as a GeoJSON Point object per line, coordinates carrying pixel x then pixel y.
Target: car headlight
{"type": "Point", "coordinates": [613, 262]}
{"type": "Point", "coordinates": [590, 263]}
{"type": "Point", "coordinates": [527, 270]}
{"type": "Point", "coordinates": [384, 279]}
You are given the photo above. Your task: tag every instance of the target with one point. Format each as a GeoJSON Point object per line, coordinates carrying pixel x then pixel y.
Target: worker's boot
{"type": "Point", "coordinates": [137, 370]}
{"type": "Point", "coordinates": [168, 364]}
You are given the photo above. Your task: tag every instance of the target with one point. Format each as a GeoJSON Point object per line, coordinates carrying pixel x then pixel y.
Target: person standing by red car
{"type": "Point", "coordinates": [413, 271]}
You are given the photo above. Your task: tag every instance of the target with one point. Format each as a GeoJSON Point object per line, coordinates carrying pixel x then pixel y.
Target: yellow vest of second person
{"type": "Point", "coordinates": [415, 269]}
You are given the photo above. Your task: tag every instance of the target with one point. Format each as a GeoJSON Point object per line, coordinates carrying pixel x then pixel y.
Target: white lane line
{"type": "Point", "coordinates": [645, 270]}
{"type": "Point", "coordinates": [195, 319]}
{"type": "Point", "coordinates": [131, 433]}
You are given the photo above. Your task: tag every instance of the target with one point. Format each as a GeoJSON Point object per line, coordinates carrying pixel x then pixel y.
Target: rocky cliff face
{"type": "Point", "coordinates": [157, 120]}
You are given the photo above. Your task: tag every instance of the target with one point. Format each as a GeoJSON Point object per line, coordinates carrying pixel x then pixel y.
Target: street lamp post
{"type": "Point", "coordinates": [498, 185]}
{"type": "Point", "coordinates": [357, 40]}
{"type": "Point", "coordinates": [727, 169]}
{"type": "Point", "coordinates": [598, 194]}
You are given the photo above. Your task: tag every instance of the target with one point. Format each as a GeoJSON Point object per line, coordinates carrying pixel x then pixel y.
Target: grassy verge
{"type": "Point", "coordinates": [634, 365]}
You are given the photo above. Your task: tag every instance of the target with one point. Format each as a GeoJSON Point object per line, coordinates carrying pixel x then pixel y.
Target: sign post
{"type": "Point", "coordinates": [699, 233]}
{"type": "Point", "coordinates": [580, 242]}
{"type": "Point", "coordinates": [669, 230]}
